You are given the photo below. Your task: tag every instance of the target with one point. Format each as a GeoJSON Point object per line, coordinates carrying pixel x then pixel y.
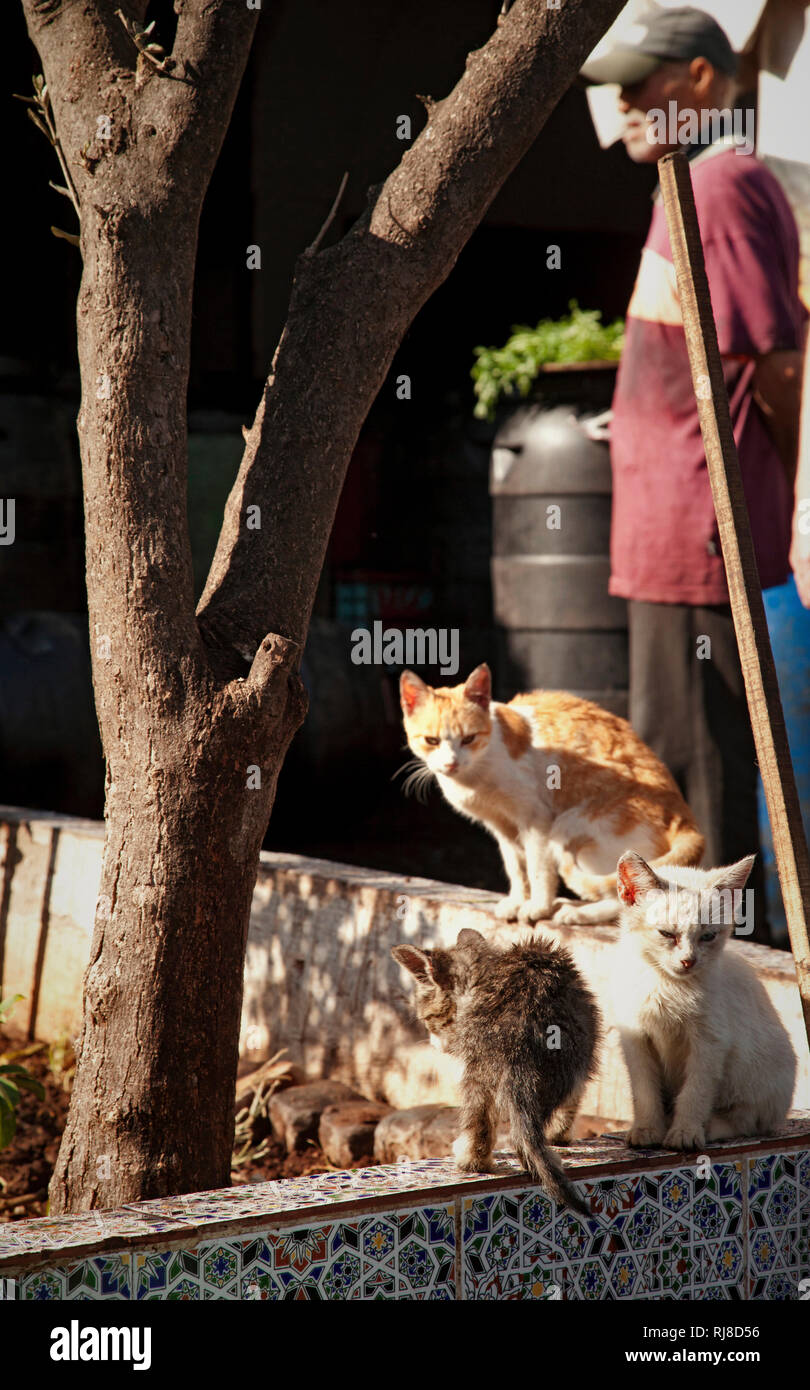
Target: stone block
{"type": "Point", "coordinates": [295, 1114]}
{"type": "Point", "coordinates": [346, 1131]}
{"type": "Point", "coordinates": [424, 1131]}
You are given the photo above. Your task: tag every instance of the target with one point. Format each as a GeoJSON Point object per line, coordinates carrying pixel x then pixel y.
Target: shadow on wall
{"type": "Point", "coordinates": [321, 982]}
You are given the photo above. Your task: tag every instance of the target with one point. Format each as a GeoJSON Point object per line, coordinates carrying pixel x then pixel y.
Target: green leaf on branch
{"type": "Point", "coordinates": [9, 1093]}
{"type": "Point", "coordinates": [24, 1079]}
{"type": "Point", "coordinates": [6, 1005]}
{"type": "Point", "coordinates": [13, 1080]}
{"type": "Point", "coordinates": [8, 1126]}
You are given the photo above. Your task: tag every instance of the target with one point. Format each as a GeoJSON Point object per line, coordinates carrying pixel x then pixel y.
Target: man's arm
{"type": "Point", "coordinates": [800, 549]}
{"type": "Point", "coordinates": [778, 393]}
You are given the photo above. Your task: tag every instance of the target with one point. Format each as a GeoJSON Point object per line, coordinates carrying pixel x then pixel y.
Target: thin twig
{"type": "Point", "coordinates": [312, 249]}
{"type": "Point", "coordinates": [72, 194]}
{"type": "Point", "coordinates": [151, 52]}
{"type": "Point", "coordinates": [42, 103]}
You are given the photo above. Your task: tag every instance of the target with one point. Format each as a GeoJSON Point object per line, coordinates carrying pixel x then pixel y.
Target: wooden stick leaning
{"type": "Point", "coordinates": [750, 625]}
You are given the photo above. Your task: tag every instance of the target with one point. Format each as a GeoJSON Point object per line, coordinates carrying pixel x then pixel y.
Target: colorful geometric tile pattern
{"type": "Point", "coordinates": [651, 1235]}
{"type": "Point", "coordinates": [723, 1227]}
{"type": "Point", "coordinates": [778, 1215]}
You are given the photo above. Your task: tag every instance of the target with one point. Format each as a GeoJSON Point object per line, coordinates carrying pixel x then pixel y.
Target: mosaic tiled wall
{"type": "Point", "coordinates": [736, 1227]}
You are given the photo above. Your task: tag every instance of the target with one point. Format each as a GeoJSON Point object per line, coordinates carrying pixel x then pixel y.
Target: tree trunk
{"type": "Point", "coordinates": [152, 1110]}
{"type": "Point", "coordinates": [197, 711]}
{"type": "Point", "coordinates": [164, 985]}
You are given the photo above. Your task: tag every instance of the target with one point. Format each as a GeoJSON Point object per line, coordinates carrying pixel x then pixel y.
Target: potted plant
{"type": "Point", "coordinates": [579, 341]}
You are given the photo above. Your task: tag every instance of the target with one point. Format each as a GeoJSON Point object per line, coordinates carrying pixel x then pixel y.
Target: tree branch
{"type": "Point", "coordinates": [90, 29]}
{"type": "Point", "coordinates": [352, 303]}
{"type": "Point", "coordinates": [330, 217]}
{"type": "Point", "coordinates": [210, 49]}
{"type": "Point", "coordinates": [98, 40]}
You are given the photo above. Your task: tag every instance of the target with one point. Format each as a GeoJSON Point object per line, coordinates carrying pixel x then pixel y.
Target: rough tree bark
{"type": "Point", "coordinates": [188, 703]}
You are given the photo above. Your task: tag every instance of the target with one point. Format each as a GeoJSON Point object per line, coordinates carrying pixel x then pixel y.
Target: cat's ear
{"type": "Point", "coordinates": [735, 875]}
{"type": "Point", "coordinates": [634, 876]}
{"type": "Point", "coordinates": [478, 686]}
{"type": "Point", "coordinates": [414, 959]}
{"type": "Point", "coordinates": [412, 690]}
{"type": "Point", "coordinates": [469, 937]}
{"type": "Point", "coordinates": [426, 966]}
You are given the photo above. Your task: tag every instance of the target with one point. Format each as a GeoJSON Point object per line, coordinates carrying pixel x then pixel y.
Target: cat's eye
{"type": "Point", "coordinates": [432, 741]}
{"type": "Point", "coordinates": [468, 738]}
{"type": "Point", "coordinates": [670, 935]}
{"type": "Point", "coordinates": [708, 936]}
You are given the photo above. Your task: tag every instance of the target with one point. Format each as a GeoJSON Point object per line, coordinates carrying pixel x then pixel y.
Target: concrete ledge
{"type": "Point", "coordinates": [319, 977]}
{"type": "Point", "coordinates": [730, 1224]}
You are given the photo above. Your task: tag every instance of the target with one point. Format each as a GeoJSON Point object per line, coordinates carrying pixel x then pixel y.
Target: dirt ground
{"type": "Point", "coordinates": [27, 1163]}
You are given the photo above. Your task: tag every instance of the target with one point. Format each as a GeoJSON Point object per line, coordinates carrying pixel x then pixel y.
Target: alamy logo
{"type": "Point", "coordinates": [685, 126]}
{"type": "Point", "coordinates": [416, 646]}
{"type": "Point", "coordinates": [77, 1343]}
{"type": "Point", "coordinates": [7, 506]}
{"type": "Point", "coordinates": [712, 908]}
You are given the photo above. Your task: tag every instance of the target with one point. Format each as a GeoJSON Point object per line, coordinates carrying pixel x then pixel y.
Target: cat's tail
{"type": "Point", "coordinates": [685, 847]}
{"type": "Point", "coordinates": [532, 1151]}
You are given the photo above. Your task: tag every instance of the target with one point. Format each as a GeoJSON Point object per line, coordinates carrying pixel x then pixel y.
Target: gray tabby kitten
{"type": "Point", "coordinates": [708, 1056]}
{"type": "Point", "coordinates": [526, 1028]}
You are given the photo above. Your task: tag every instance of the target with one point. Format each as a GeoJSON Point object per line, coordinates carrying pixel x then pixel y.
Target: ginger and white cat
{"type": "Point", "coordinates": [563, 785]}
{"type": "Point", "coordinates": [707, 1053]}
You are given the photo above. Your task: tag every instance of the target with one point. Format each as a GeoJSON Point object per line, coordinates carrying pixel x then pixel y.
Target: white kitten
{"type": "Point", "coordinates": [707, 1054]}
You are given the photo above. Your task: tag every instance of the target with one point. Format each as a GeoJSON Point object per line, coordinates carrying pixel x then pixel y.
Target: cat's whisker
{"type": "Point", "coordinates": [410, 768]}
{"type": "Point", "coordinates": [418, 778]}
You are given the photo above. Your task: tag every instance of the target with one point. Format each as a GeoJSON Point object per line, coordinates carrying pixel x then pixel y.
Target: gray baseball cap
{"type": "Point", "coordinates": [663, 36]}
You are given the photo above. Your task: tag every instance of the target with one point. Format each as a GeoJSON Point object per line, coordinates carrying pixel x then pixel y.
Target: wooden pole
{"type": "Point", "coordinates": [750, 625]}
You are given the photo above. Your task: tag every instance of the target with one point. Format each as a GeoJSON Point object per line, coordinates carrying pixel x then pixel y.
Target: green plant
{"type": "Point", "coordinates": [579, 337]}
{"type": "Point", "coordinates": [13, 1078]}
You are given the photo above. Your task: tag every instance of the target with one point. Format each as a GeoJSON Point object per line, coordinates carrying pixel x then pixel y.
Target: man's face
{"type": "Point", "coordinates": [679, 82]}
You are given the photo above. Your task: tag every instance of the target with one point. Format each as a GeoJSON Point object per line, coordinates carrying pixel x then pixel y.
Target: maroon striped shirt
{"type": "Point", "coordinates": [665, 546]}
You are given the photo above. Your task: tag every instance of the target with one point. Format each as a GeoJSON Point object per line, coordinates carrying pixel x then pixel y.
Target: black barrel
{"type": "Point", "coordinates": [558, 628]}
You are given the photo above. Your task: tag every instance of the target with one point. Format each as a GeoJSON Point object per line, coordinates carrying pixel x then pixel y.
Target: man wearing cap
{"type": "Point", "coordinates": [676, 69]}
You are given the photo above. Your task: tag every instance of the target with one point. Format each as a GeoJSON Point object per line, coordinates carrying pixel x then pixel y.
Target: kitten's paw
{"type": "Point", "coordinates": [646, 1137]}
{"type": "Point", "coordinates": [568, 914]}
{"type": "Point", "coordinates": [508, 909]}
{"type": "Point", "coordinates": [689, 1137]}
{"type": "Point", "coordinates": [535, 910]}
{"type": "Point", "coordinates": [468, 1159]}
